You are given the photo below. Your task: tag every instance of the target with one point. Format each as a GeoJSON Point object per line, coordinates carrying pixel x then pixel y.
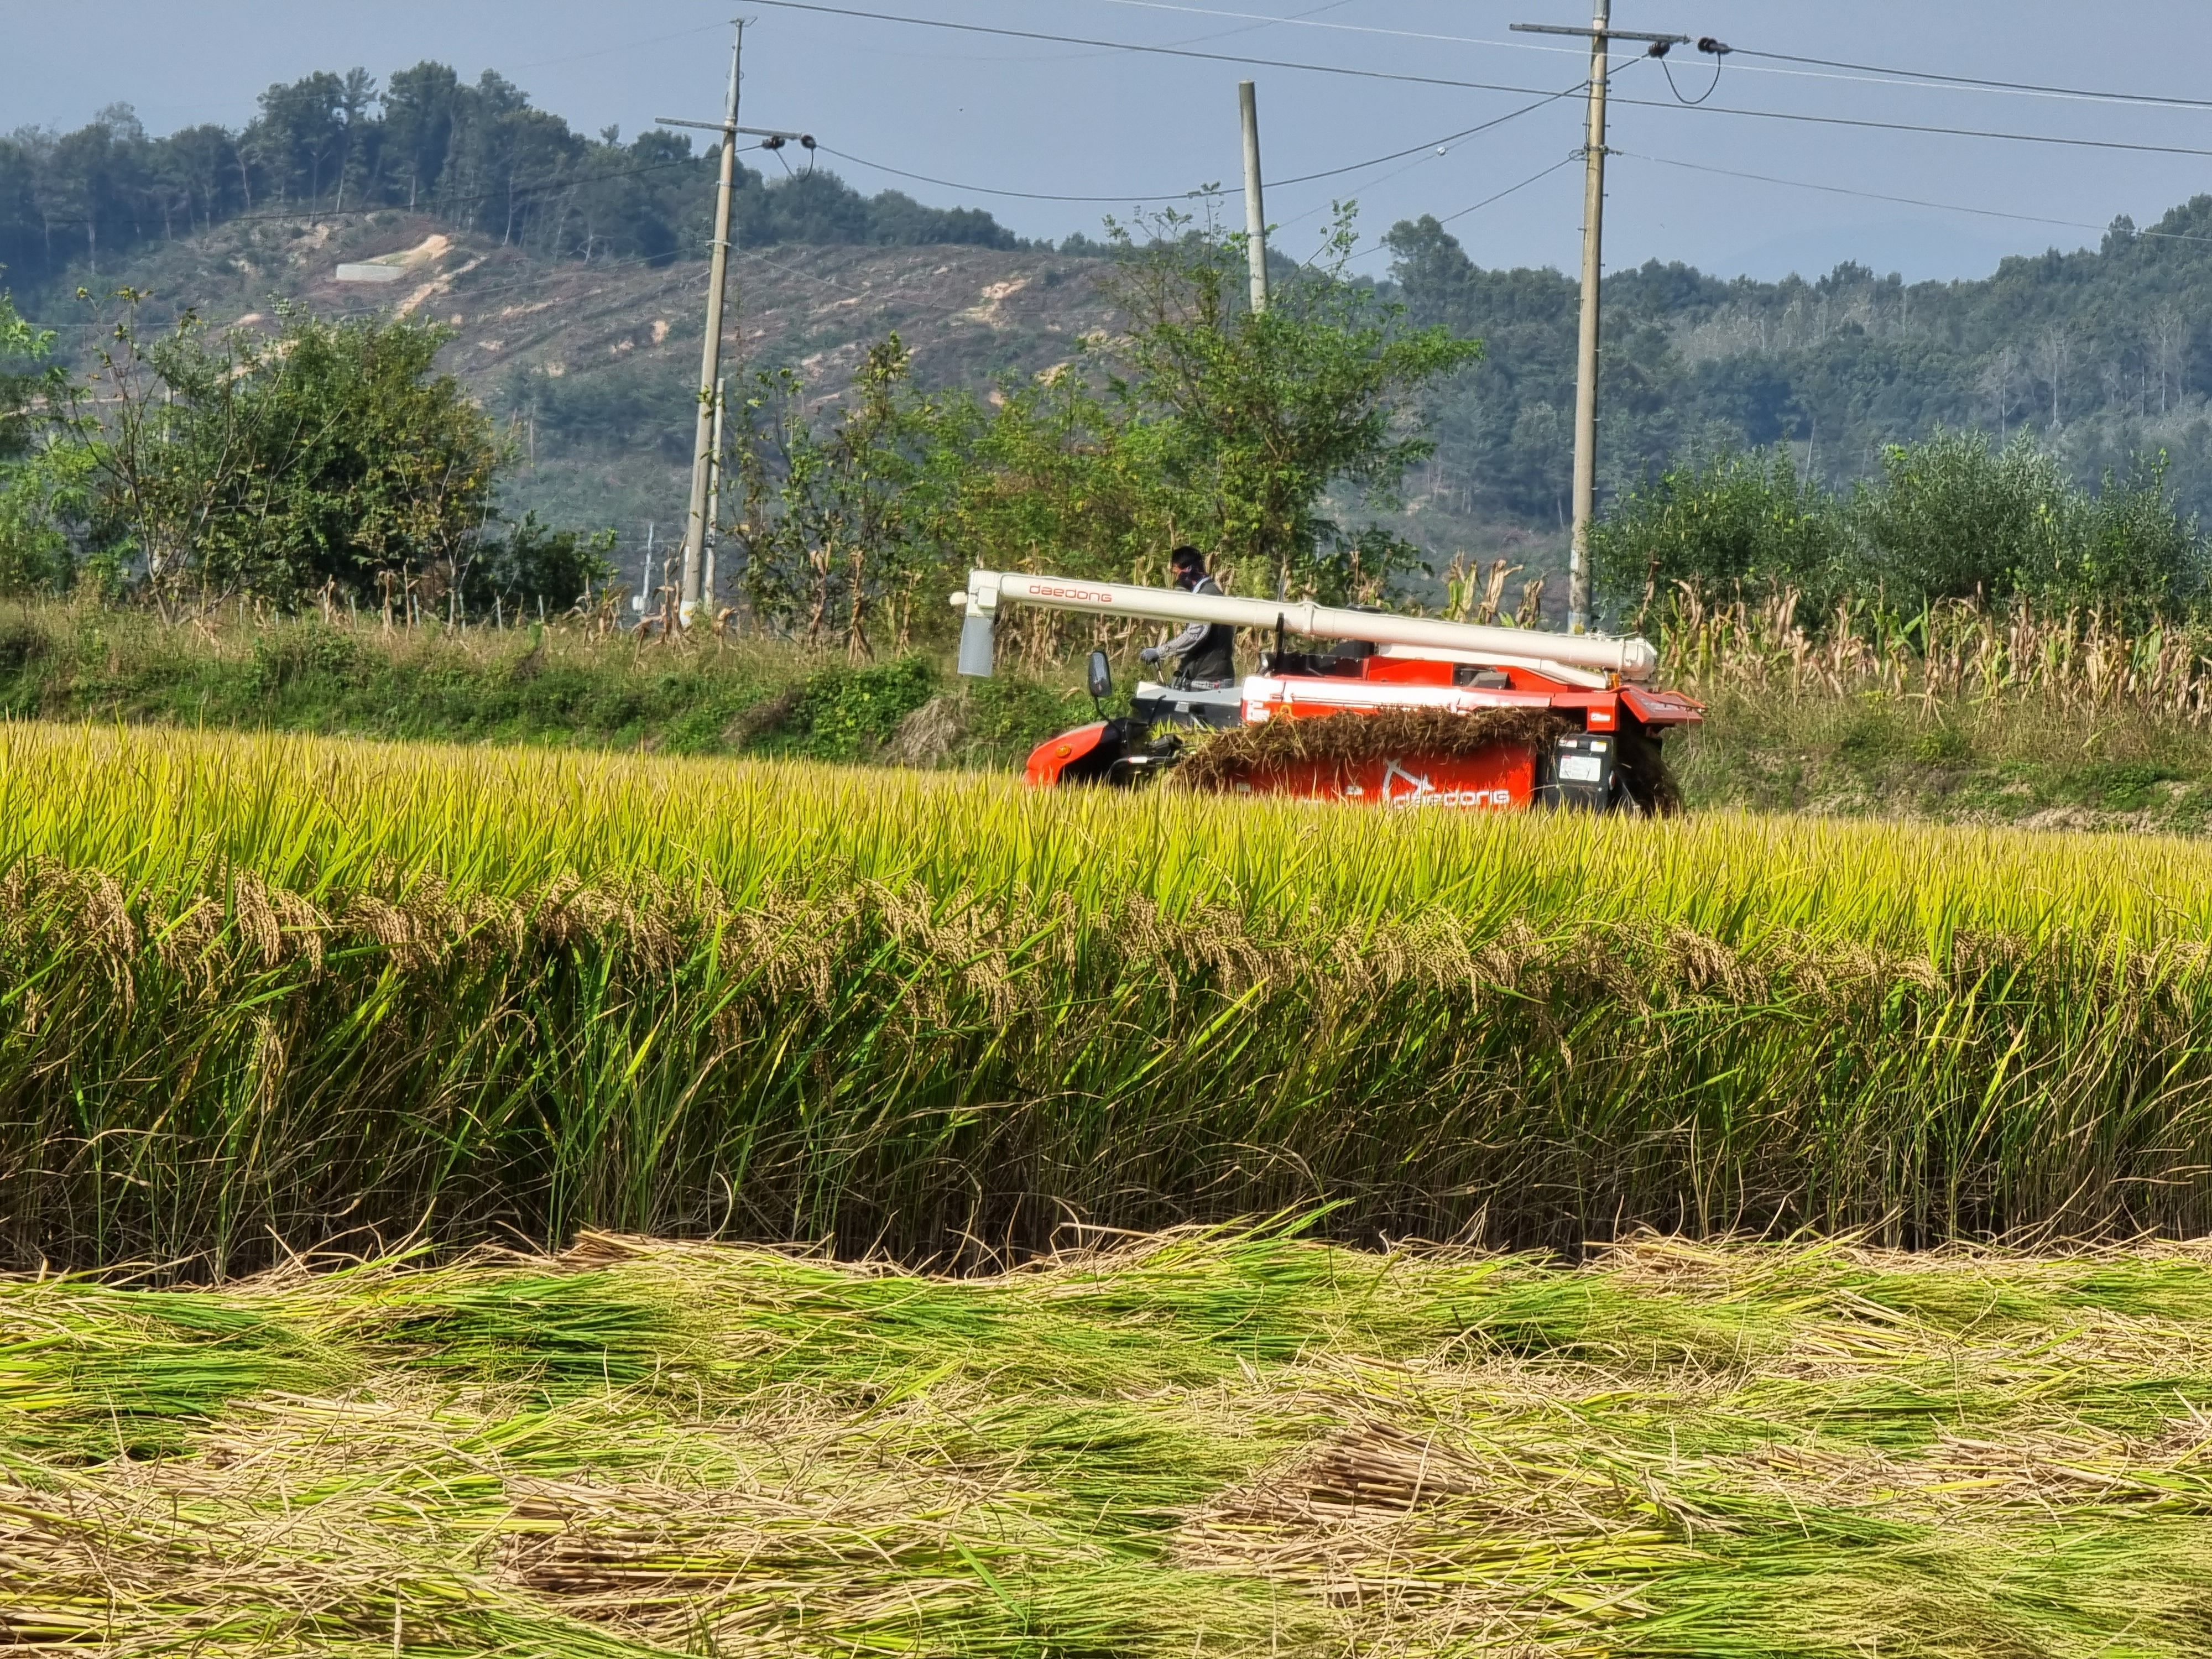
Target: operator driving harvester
{"type": "Point", "coordinates": [1398, 711]}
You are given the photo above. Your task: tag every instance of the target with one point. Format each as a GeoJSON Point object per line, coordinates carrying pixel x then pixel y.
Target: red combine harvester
{"type": "Point", "coordinates": [1400, 711]}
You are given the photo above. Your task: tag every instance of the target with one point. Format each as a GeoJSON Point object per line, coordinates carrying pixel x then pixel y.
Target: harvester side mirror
{"type": "Point", "coordinates": [1101, 678]}
{"type": "Point", "coordinates": [975, 645]}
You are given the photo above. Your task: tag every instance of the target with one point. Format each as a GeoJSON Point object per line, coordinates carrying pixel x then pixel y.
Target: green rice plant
{"type": "Point", "coordinates": [335, 995]}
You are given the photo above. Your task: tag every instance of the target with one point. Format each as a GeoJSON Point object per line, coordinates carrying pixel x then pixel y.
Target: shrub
{"type": "Point", "coordinates": [1729, 520]}
{"type": "Point", "coordinates": [1956, 517]}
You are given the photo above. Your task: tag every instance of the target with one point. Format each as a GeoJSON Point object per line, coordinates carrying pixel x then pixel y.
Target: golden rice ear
{"type": "Point", "coordinates": [276, 924]}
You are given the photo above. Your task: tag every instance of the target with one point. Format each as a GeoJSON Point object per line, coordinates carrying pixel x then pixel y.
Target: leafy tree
{"type": "Point", "coordinates": [533, 566]}
{"type": "Point", "coordinates": [1043, 479]}
{"type": "Point", "coordinates": [303, 134]}
{"type": "Point", "coordinates": [333, 454]}
{"type": "Point", "coordinates": [2132, 552]}
{"type": "Point", "coordinates": [42, 484]}
{"type": "Point", "coordinates": [827, 540]}
{"type": "Point", "coordinates": [1252, 417]}
{"type": "Point", "coordinates": [1956, 518]}
{"type": "Point", "coordinates": [418, 127]}
{"type": "Point", "coordinates": [1207, 422]}
{"type": "Point", "coordinates": [1733, 520]}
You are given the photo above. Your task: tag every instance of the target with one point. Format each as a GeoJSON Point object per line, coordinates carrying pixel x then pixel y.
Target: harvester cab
{"type": "Point", "coordinates": [1398, 711]}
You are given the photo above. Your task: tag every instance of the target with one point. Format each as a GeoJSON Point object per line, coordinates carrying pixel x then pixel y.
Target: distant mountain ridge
{"type": "Point", "coordinates": [569, 268]}
{"type": "Point", "coordinates": [478, 156]}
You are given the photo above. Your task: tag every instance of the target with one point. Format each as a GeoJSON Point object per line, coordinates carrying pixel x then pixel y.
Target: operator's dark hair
{"type": "Point", "coordinates": [1187, 558]}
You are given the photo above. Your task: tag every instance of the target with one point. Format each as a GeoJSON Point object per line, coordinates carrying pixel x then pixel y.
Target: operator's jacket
{"type": "Point", "coordinates": [1204, 652]}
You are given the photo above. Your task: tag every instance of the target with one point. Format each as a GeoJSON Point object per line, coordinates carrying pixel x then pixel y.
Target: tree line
{"type": "Point", "coordinates": [1957, 516]}
{"type": "Point", "coordinates": [2100, 355]}
{"type": "Point", "coordinates": [479, 156]}
{"type": "Point", "coordinates": [321, 462]}
{"type": "Point", "coordinates": [315, 461]}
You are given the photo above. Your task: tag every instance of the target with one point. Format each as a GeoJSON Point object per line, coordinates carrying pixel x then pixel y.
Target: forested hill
{"type": "Point", "coordinates": [584, 251]}
{"type": "Point", "coordinates": [478, 156]}
{"type": "Point", "coordinates": [2105, 355]}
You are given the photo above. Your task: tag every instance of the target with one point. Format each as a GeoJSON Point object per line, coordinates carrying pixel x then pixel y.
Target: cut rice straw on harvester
{"type": "Point", "coordinates": [1216, 758]}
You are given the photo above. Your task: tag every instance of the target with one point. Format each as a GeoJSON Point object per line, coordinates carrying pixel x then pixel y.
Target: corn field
{"type": "Point", "coordinates": [1950, 651]}
{"type": "Point", "coordinates": [1197, 1444]}
{"type": "Point", "coordinates": [288, 992]}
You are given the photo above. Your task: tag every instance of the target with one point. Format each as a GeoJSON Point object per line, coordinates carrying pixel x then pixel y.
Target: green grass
{"type": "Point", "coordinates": [526, 686]}
{"type": "Point", "coordinates": [2014, 760]}
{"type": "Point", "coordinates": [282, 988]}
{"type": "Point", "coordinates": [1225, 1444]}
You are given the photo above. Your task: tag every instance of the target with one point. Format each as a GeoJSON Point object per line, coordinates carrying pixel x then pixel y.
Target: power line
{"type": "Point", "coordinates": [1021, 195]}
{"type": "Point", "coordinates": [1436, 143]}
{"type": "Point", "coordinates": [1904, 201]}
{"type": "Point", "coordinates": [2028, 87]}
{"type": "Point", "coordinates": [1228, 190]}
{"type": "Point", "coordinates": [1346, 28]}
{"type": "Point", "coordinates": [1565, 161]}
{"type": "Point", "coordinates": [1929, 79]}
{"type": "Point", "coordinates": [1904, 126]}
{"type": "Point", "coordinates": [1160, 51]}
{"type": "Point", "coordinates": [1396, 172]}
{"type": "Point", "coordinates": [627, 45]}
{"type": "Point", "coordinates": [1487, 86]}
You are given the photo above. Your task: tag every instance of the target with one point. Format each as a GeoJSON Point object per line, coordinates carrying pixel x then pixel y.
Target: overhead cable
{"type": "Point", "coordinates": [1911, 126]}
{"type": "Point", "coordinates": [1904, 201]}
{"type": "Point", "coordinates": [1486, 85]}
{"type": "Point", "coordinates": [1565, 161]}
{"type": "Point", "coordinates": [1158, 52]}
{"type": "Point", "coordinates": [1568, 160]}
{"type": "Point", "coordinates": [1214, 190]}
{"type": "Point", "coordinates": [1345, 29]}
{"type": "Point", "coordinates": [1931, 79]}
{"type": "Point", "coordinates": [2156, 101]}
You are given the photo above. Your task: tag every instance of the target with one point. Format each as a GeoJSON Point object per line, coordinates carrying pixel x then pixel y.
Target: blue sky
{"type": "Point", "coordinates": [1039, 117]}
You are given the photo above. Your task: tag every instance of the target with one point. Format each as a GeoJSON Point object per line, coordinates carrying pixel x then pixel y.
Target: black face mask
{"type": "Point", "coordinates": [1188, 578]}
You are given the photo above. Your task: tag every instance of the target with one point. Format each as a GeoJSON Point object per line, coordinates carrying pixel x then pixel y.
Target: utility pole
{"type": "Point", "coordinates": [710, 355]}
{"type": "Point", "coordinates": [1255, 214]}
{"type": "Point", "coordinates": [1602, 34]}
{"type": "Point", "coordinates": [707, 595]}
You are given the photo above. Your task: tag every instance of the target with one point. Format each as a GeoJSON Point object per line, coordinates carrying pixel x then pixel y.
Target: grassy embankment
{"type": "Point", "coordinates": [2007, 759]}
{"type": "Point", "coordinates": [2017, 761]}
{"type": "Point", "coordinates": [1197, 1445]}
{"type": "Point", "coordinates": [280, 987]}
{"type": "Point", "coordinates": [556, 686]}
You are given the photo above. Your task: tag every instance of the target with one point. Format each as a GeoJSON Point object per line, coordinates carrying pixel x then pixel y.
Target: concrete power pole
{"type": "Point", "coordinates": [710, 355]}
{"type": "Point", "coordinates": [1255, 213]}
{"type": "Point", "coordinates": [1602, 34]}
{"type": "Point", "coordinates": [1578, 584]}
{"type": "Point", "coordinates": [708, 595]}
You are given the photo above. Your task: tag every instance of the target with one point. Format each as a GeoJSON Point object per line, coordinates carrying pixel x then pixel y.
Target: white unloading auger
{"type": "Point", "coordinates": [1630, 659]}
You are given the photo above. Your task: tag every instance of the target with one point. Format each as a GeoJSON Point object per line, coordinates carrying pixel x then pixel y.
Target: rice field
{"type": "Point", "coordinates": [274, 995]}
{"type": "Point", "coordinates": [1226, 1443]}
